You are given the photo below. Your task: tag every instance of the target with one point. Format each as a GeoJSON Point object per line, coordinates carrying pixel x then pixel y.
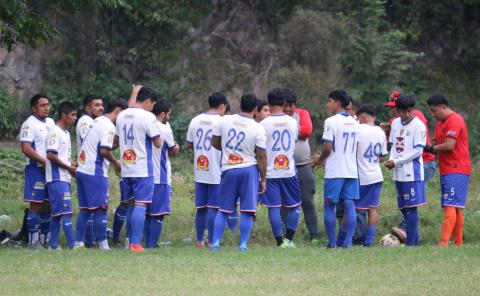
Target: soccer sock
{"type": "Point", "coordinates": [458, 229]}
{"type": "Point", "coordinates": [371, 233]}
{"type": "Point", "coordinates": [128, 229]}
{"type": "Point", "coordinates": [33, 226]}
{"type": "Point", "coordinates": [67, 226]}
{"type": "Point", "coordinates": [276, 223]}
{"type": "Point", "coordinates": [330, 222]}
{"type": "Point", "coordinates": [350, 221]}
{"type": "Point", "coordinates": [220, 223]}
{"type": "Point", "coordinates": [449, 220]}
{"type": "Point", "coordinates": [211, 214]}
{"type": "Point", "coordinates": [136, 224]}
{"type": "Point", "coordinates": [246, 225]}
{"type": "Point", "coordinates": [54, 231]}
{"type": "Point", "coordinates": [412, 226]}
{"type": "Point", "coordinates": [342, 233]}
{"type": "Point", "coordinates": [292, 222]}
{"type": "Point", "coordinates": [45, 225]}
{"type": "Point", "coordinates": [233, 220]}
{"type": "Point", "coordinates": [146, 230]}
{"type": "Point", "coordinates": [90, 236]}
{"type": "Point", "coordinates": [200, 223]}
{"type": "Point", "coordinates": [100, 218]}
{"type": "Point", "coordinates": [118, 220]}
{"type": "Point", "coordinates": [156, 225]}
{"type": "Point", "coordinates": [81, 225]}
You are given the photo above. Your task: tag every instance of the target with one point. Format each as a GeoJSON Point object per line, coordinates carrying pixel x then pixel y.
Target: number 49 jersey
{"type": "Point", "coordinates": [372, 145]}
{"type": "Point", "coordinates": [206, 157]}
{"type": "Point", "coordinates": [282, 132]}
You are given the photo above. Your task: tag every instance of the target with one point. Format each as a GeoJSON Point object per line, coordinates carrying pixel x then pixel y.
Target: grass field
{"type": "Point", "coordinates": [182, 269]}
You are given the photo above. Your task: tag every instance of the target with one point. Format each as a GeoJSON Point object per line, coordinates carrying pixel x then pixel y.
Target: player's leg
{"type": "Point", "coordinates": [67, 227]}
{"type": "Point", "coordinates": [350, 193]}
{"type": "Point", "coordinates": [211, 215]}
{"type": "Point", "coordinates": [454, 188]}
{"type": "Point", "coordinates": [458, 229]}
{"type": "Point", "coordinates": [84, 213]}
{"type": "Point", "coordinates": [143, 192]}
{"type": "Point", "coordinates": [118, 221]}
{"type": "Point", "coordinates": [55, 199]}
{"type": "Point", "coordinates": [90, 236]}
{"type": "Point", "coordinates": [307, 182]}
{"type": "Point", "coordinates": [35, 194]}
{"type": "Point", "coordinates": [449, 222]}
{"type": "Point", "coordinates": [201, 199]}
{"type": "Point", "coordinates": [233, 220]}
{"type": "Point", "coordinates": [331, 189]}
{"type": "Point", "coordinates": [411, 215]}
{"type": "Point", "coordinates": [33, 223]}
{"type": "Point", "coordinates": [248, 192]}
{"type": "Point", "coordinates": [44, 222]}
{"type": "Point", "coordinates": [371, 226]}
{"type": "Point", "coordinates": [212, 205]}
{"type": "Point", "coordinates": [100, 222]}
{"type": "Point", "coordinates": [55, 231]}
{"type": "Point", "coordinates": [159, 207]}
{"type": "Point", "coordinates": [246, 225]}
{"type": "Point", "coordinates": [291, 200]}
{"type": "Point", "coordinates": [99, 201]}
{"type": "Point", "coordinates": [272, 200]}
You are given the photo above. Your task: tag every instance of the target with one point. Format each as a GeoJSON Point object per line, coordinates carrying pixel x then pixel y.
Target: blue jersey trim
{"type": "Point", "coordinates": [407, 122]}
{"type": "Point", "coordinates": [281, 114]}
{"type": "Point", "coordinates": [327, 140]}
{"type": "Point", "coordinates": [148, 149]}
{"type": "Point", "coordinates": [417, 176]}
{"type": "Point", "coordinates": [99, 162]}
{"type": "Point", "coordinates": [163, 164]}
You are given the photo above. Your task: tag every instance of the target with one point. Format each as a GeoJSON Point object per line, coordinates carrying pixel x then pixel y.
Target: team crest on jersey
{"type": "Point", "coordinates": [82, 157]}
{"type": "Point", "coordinates": [202, 163]}
{"type": "Point", "coordinates": [235, 158]}
{"type": "Point", "coordinates": [129, 157]}
{"type": "Point", "coordinates": [400, 146]}
{"type": "Point", "coordinates": [281, 162]}
{"type": "Point", "coordinates": [53, 139]}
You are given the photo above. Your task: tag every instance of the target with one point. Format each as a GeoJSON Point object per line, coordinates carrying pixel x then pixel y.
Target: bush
{"type": "Point", "coordinates": [12, 110]}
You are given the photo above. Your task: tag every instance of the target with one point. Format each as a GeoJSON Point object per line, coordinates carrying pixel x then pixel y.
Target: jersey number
{"type": "Point", "coordinates": [232, 134]}
{"type": "Point", "coordinates": [279, 138]}
{"type": "Point", "coordinates": [128, 136]}
{"type": "Point", "coordinates": [373, 152]}
{"type": "Point", "coordinates": [204, 142]}
{"type": "Point", "coordinates": [347, 136]}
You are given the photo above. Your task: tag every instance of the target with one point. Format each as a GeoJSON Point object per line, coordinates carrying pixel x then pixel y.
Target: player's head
{"type": "Point", "coordinates": [366, 114]}
{"type": "Point", "coordinates": [40, 105]}
{"type": "Point", "coordinates": [228, 109]}
{"type": "Point", "coordinates": [147, 97]}
{"type": "Point", "coordinates": [290, 101]}
{"type": "Point", "coordinates": [276, 97]}
{"type": "Point", "coordinates": [114, 107]}
{"type": "Point", "coordinates": [439, 107]}
{"type": "Point", "coordinates": [352, 107]}
{"type": "Point", "coordinates": [217, 101]}
{"type": "Point", "coordinates": [262, 110]}
{"type": "Point", "coordinates": [67, 113]}
{"type": "Point", "coordinates": [162, 110]}
{"type": "Point", "coordinates": [404, 105]}
{"type": "Point", "coordinates": [392, 103]}
{"type": "Point", "coordinates": [93, 105]}
{"type": "Point", "coordinates": [248, 103]}
{"type": "Point", "coordinates": [338, 100]}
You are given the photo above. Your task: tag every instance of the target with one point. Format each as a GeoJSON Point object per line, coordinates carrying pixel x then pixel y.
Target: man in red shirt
{"type": "Point", "coordinates": [451, 146]}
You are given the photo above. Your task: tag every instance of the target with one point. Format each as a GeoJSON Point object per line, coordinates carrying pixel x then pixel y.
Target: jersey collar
{"type": "Point", "coordinates": [407, 122]}
{"type": "Point", "coordinates": [39, 118]}
{"type": "Point", "coordinates": [344, 113]}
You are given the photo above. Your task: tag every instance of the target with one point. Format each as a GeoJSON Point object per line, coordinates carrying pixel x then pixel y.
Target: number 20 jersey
{"type": "Point", "coordinates": [282, 132]}
{"type": "Point", "coordinates": [372, 144]}
{"type": "Point", "coordinates": [206, 158]}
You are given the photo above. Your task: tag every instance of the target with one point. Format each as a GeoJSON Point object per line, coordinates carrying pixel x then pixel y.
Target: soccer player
{"type": "Point", "coordinates": [206, 166]}
{"type": "Point", "coordinates": [339, 156]}
{"type": "Point", "coordinates": [59, 170]}
{"type": "Point", "coordinates": [93, 107]}
{"type": "Point", "coordinates": [283, 188]}
{"type": "Point", "coordinates": [33, 136]}
{"type": "Point", "coordinates": [372, 148]}
{"type": "Point", "coordinates": [262, 111]}
{"type": "Point", "coordinates": [92, 173]}
{"type": "Point", "coordinates": [242, 142]}
{"type": "Point", "coordinates": [137, 132]}
{"type": "Point", "coordinates": [302, 164]}
{"type": "Point", "coordinates": [162, 171]}
{"type": "Point", "coordinates": [408, 138]}
{"type": "Point", "coordinates": [451, 146]}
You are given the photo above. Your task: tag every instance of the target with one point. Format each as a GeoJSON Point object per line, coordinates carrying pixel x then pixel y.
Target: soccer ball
{"type": "Point", "coordinates": [389, 240]}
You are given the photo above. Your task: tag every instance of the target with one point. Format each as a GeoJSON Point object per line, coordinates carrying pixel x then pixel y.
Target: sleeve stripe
{"type": "Point", "coordinates": [327, 140]}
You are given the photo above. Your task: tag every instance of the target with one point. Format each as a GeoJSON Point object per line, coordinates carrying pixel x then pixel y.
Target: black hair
{"type": "Point", "coordinates": [290, 96]}
{"type": "Point", "coordinates": [90, 98]}
{"type": "Point", "coordinates": [405, 102]}
{"type": "Point", "coordinates": [146, 93]}
{"type": "Point", "coordinates": [260, 104]}
{"type": "Point", "coordinates": [248, 103]}
{"type": "Point", "coordinates": [65, 108]}
{"type": "Point", "coordinates": [161, 106]}
{"type": "Point", "coordinates": [340, 96]}
{"type": "Point", "coordinates": [276, 97]}
{"type": "Point", "coordinates": [116, 103]}
{"type": "Point", "coordinates": [437, 100]}
{"type": "Point", "coordinates": [34, 100]}
{"type": "Point", "coordinates": [354, 103]}
{"type": "Point", "coordinates": [228, 108]}
{"type": "Point", "coordinates": [216, 99]}
{"type": "Point", "coordinates": [367, 109]}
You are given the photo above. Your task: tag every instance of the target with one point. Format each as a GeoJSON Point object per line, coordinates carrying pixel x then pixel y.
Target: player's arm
{"type": "Point", "coordinates": [305, 128]}
{"type": "Point", "coordinates": [115, 143]}
{"type": "Point", "coordinates": [157, 141]}
{"type": "Point", "coordinates": [53, 157]}
{"type": "Point", "coordinates": [173, 150]}
{"type": "Point", "coordinates": [262, 167]}
{"type": "Point", "coordinates": [319, 160]}
{"type": "Point", "coordinates": [448, 145]}
{"type": "Point", "coordinates": [217, 142]}
{"type": "Point", "coordinates": [31, 153]}
{"type": "Point", "coordinates": [407, 157]}
{"type": "Point", "coordinates": [133, 96]}
{"type": "Point", "coordinates": [190, 145]}
{"type": "Point", "coordinates": [107, 153]}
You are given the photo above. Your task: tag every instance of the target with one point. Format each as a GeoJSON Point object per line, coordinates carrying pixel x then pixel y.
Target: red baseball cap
{"type": "Point", "coordinates": [392, 100]}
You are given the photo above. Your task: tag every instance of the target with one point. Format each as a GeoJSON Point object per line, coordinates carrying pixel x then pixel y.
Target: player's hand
{"type": "Point", "coordinates": [390, 164]}
{"type": "Point", "coordinates": [72, 170]}
{"type": "Point", "coordinates": [385, 127]}
{"type": "Point", "coordinates": [263, 187]}
{"type": "Point", "coordinates": [317, 162]}
{"type": "Point", "coordinates": [117, 167]}
{"type": "Point", "coordinates": [74, 163]}
{"type": "Point", "coordinates": [136, 88]}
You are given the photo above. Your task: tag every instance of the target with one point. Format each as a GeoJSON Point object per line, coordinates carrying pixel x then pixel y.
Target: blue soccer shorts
{"type": "Point", "coordinates": [206, 195]}
{"type": "Point", "coordinates": [92, 191]}
{"type": "Point", "coordinates": [138, 188]}
{"type": "Point", "coordinates": [410, 194]}
{"type": "Point", "coordinates": [454, 189]}
{"type": "Point", "coordinates": [282, 192]}
{"type": "Point", "coordinates": [60, 198]}
{"type": "Point", "coordinates": [160, 205]}
{"type": "Point", "coordinates": [242, 184]}
{"type": "Point", "coordinates": [369, 196]}
{"type": "Point", "coordinates": [35, 190]}
{"type": "Point", "coordinates": [337, 188]}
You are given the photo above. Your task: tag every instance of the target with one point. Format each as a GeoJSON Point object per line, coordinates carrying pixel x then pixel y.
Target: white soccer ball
{"type": "Point", "coordinates": [389, 240]}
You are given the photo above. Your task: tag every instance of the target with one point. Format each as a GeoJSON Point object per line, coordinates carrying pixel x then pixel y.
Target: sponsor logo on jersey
{"type": "Point", "coordinates": [129, 157]}
{"type": "Point", "coordinates": [202, 163]}
{"type": "Point", "coordinates": [235, 158]}
{"type": "Point", "coordinates": [281, 162]}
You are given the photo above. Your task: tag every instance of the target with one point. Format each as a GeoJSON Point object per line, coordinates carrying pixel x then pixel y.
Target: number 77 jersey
{"type": "Point", "coordinates": [342, 131]}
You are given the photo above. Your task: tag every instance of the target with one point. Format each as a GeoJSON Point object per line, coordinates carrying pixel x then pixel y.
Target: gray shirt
{"type": "Point", "coordinates": [301, 155]}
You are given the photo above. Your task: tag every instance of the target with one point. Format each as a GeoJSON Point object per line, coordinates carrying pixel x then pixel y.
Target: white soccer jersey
{"type": "Point", "coordinates": [240, 136]}
{"type": "Point", "coordinates": [405, 137]}
{"type": "Point", "coordinates": [162, 168]}
{"type": "Point", "coordinates": [100, 135]}
{"type": "Point", "coordinates": [135, 130]}
{"type": "Point", "coordinates": [282, 132]}
{"type": "Point", "coordinates": [35, 130]}
{"type": "Point", "coordinates": [58, 141]}
{"type": "Point", "coordinates": [342, 130]}
{"type": "Point", "coordinates": [372, 144]}
{"type": "Point", "coordinates": [206, 158]}
{"type": "Point", "coordinates": [83, 125]}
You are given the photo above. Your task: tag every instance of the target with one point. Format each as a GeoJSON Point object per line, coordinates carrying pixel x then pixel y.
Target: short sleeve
{"type": "Point", "coordinates": [452, 128]}
{"type": "Point", "coordinates": [384, 144]}
{"type": "Point", "coordinates": [27, 134]}
{"type": "Point", "coordinates": [106, 137]}
{"type": "Point", "coordinates": [190, 132]}
{"type": "Point", "coordinates": [53, 141]}
{"type": "Point", "coordinates": [151, 126]}
{"type": "Point", "coordinates": [217, 130]}
{"type": "Point", "coordinates": [328, 131]}
{"type": "Point", "coordinates": [420, 136]}
{"type": "Point", "coordinates": [261, 138]}
{"type": "Point", "coordinates": [295, 130]}
{"type": "Point", "coordinates": [167, 136]}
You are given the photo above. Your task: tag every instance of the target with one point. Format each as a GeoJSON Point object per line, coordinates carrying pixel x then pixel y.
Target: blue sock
{"type": "Point", "coordinates": [128, 229]}
{"type": "Point", "coordinates": [156, 225]}
{"type": "Point", "coordinates": [146, 230]}
{"type": "Point", "coordinates": [200, 223]}
{"type": "Point", "coordinates": [100, 218]}
{"type": "Point", "coordinates": [67, 226]}
{"type": "Point", "coordinates": [342, 233]}
{"type": "Point", "coordinates": [118, 220]}
{"type": "Point", "coordinates": [220, 223]}
{"type": "Point", "coordinates": [233, 220]}
{"type": "Point", "coordinates": [275, 221]}
{"type": "Point", "coordinates": [292, 218]}
{"type": "Point", "coordinates": [33, 220]}
{"type": "Point", "coordinates": [211, 214]}
{"type": "Point", "coordinates": [246, 225]}
{"type": "Point", "coordinates": [330, 222]}
{"type": "Point", "coordinates": [412, 226]}
{"type": "Point", "coordinates": [136, 224]}
{"type": "Point", "coordinates": [371, 233]}
{"type": "Point", "coordinates": [81, 225]}
{"type": "Point", "coordinates": [45, 223]}
{"type": "Point", "coordinates": [54, 231]}
{"type": "Point", "coordinates": [350, 221]}
{"type": "Point", "coordinates": [90, 236]}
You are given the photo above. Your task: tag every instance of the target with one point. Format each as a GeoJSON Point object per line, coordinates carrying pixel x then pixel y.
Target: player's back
{"type": "Point", "coordinates": [372, 145]}
{"type": "Point", "coordinates": [282, 132]}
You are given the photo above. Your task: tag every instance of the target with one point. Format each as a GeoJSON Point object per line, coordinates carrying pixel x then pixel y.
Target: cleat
{"type": "Point", "coordinates": [36, 246]}
{"type": "Point", "coordinates": [399, 233]}
{"type": "Point", "coordinates": [103, 245]}
{"type": "Point", "coordinates": [242, 249]}
{"type": "Point", "coordinates": [78, 246]}
{"type": "Point", "coordinates": [55, 249]}
{"type": "Point", "coordinates": [287, 244]}
{"type": "Point", "coordinates": [214, 249]}
{"type": "Point", "coordinates": [200, 245]}
{"type": "Point", "coordinates": [315, 242]}
{"type": "Point", "coordinates": [136, 248]}
{"type": "Point", "coordinates": [127, 243]}
{"type": "Point", "coordinates": [331, 247]}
